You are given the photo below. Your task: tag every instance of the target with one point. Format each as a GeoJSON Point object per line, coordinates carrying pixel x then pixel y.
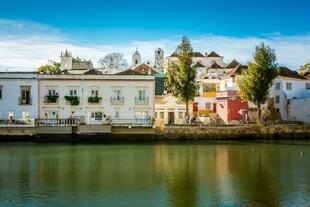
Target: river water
{"type": "Point", "coordinates": [176, 174]}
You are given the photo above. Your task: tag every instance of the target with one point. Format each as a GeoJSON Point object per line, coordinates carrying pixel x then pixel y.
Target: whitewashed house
{"type": "Point", "coordinates": [95, 98]}
{"type": "Point", "coordinates": [291, 96]}
{"type": "Point", "coordinates": [18, 96]}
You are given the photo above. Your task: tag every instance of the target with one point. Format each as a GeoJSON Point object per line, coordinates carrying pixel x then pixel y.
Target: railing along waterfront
{"type": "Point", "coordinates": [132, 122]}
{"type": "Point", "coordinates": [57, 122]}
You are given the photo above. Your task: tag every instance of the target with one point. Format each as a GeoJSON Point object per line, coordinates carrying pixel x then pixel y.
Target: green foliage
{"type": "Point", "coordinates": [305, 68]}
{"type": "Point", "coordinates": [52, 98]}
{"type": "Point", "coordinates": [94, 99]}
{"type": "Point", "coordinates": [74, 100]}
{"type": "Point", "coordinates": [181, 75]}
{"type": "Point", "coordinates": [256, 81]}
{"type": "Point", "coordinates": [53, 68]}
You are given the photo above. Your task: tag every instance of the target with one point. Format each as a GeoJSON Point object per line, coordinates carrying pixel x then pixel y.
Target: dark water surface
{"type": "Point", "coordinates": [188, 174]}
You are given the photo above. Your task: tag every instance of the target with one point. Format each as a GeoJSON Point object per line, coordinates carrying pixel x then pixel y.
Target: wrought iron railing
{"type": "Point", "coordinates": [140, 101]}
{"type": "Point", "coordinates": [132, 122]}
{"type": "Point", "coordinates": [57, 122]}
{"type": "Point", "coordinates": [117, 100]}
{"type": "Point", "coordinates": [25, 101]}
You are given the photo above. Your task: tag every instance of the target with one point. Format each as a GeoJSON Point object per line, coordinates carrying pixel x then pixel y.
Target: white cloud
{"type": "Point", "coordinates": [27, 45]}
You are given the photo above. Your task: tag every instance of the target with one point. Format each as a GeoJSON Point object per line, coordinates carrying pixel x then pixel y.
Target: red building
{"type": "Point", "coordinates": [231, 108]}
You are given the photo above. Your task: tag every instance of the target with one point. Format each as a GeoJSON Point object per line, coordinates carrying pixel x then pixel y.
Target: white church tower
{"type": "Point", "coordinates": [65, 60]}
{"type": "Point", "coordinates": [159, 58]}
{"type": "Point", "coordinates": [136, 59]}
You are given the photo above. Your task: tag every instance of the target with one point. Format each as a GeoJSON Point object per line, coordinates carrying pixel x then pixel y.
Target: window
{"type": "Point", "coordinates": [51, 92]}
{"type": "Point", "coordinates": [25, 95]}
{"type": "Point", "coordinates": [1, 92]}
{"type": "Point", "coordinates": [180, 115]}
{"type": "Point", "coordinates": [25, 115]}
{"type": "Point", "coordinates": [142, 114]}
{"type": "Point", "coordinates": [288, 86]}
{"type": "Point", "coordinates": [141, 95]}
{"type": "Point", "coordinates": [73, 92]}
{"type": "Point", "coordinates": [277, 86]}
{"type": "Point", "coordinates": [307, 86]}
{"type": "Point", "coordinates": [208, 105]}
{"type": "Point", "coordinates": [117, 94]}
{"type": "Point", "coordinates": [277, 99]}
{"type": "Point", "coordinates": [95, 93]}
{"type": "Point", "coordinates": [116, 115]}
{"type": "Point", "coordinates": [10, 115]}
{"type": "Point", "coordinates": [98, 116]}
{"type": "Point", "coordinates": [156, 115]}
{"type": "Point", "coordinates": [161, 115]}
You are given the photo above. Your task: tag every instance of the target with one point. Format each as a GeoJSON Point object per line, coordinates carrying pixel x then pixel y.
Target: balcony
{"type": "Point", "coordinates": [72, 100]}
{"type": "Point", "coordinates": [25, 101]}
{"type": "Point", "coordinates": [94, 100]}
{"type": "Point", "coordinates": [51, 99]}
{"type": "Point", "coordinates": [140, 101]}
{"type": "Point", "coordinates": [209, 94]}
{"type": "Point", "coordinates": [119, 100]}
{"type": "Point", "coordinates": [227, 94]}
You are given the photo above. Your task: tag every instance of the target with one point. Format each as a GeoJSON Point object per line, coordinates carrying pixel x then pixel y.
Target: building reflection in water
{"type": "Point", "coordinates": [230, 174]}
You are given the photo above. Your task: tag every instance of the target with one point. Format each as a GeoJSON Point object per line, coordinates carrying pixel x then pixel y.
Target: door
{"type": "Point", "coordinates": [170, 118]}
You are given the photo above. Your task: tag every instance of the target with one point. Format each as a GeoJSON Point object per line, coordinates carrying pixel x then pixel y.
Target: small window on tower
{"type": "Point", "coordinates": [136, 62]}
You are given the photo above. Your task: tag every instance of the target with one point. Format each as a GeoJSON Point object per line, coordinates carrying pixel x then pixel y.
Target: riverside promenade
{"type": "Point", "coordinates": [72, 130]}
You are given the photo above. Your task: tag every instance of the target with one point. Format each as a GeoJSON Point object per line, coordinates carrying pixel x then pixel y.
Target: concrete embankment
{"type": "Point", "coordinates": [176, 132]}
{"type": "Point", "coordinates": [236, 132]}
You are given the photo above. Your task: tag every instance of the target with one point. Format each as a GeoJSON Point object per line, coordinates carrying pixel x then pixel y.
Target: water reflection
{"type": "Point", "coordinates": [230, 174]}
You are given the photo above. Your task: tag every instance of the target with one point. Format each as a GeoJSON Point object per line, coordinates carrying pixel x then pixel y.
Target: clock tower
{"type": "Point", "coordinates": [159, 59]}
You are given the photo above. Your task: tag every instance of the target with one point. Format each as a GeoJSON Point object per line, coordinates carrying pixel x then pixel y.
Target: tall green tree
{"type": "Point", "coordinates": [256, 81]}
{"type": "Point", "coordinates": [181, 74]}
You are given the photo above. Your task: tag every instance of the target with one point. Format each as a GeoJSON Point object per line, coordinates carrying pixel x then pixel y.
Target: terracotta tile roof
{"type": "Point", "coordinates": [144, 68]}
{"type": "Point", "coordinates": [213, 54]}
{"type": "Point", "coordinates": [93, 72]}
{"type": "Point", "coordinates": [233, 64]}
{"type": "Point", "coordinates": [128, 72]}
{"type": "Point", "coordinates": [307, 75]}
{"type": "Point", "coordinates": [238, 70]}
{"type": "Point", "coordinates": [195, 54]}
{"type": "Point", "coordinates": [215, 66]}
{"type": "Point", "coordinates": [199, 65]}
{"type": "Point", "coordinates": [286, 72]}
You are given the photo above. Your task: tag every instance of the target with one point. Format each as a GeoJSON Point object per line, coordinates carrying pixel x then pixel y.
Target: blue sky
{"type": "Point", "coordinates": [93, 28]}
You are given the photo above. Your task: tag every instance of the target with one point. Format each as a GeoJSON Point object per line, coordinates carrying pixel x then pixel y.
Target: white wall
{"type": "Point", "coordinates": [11, 91]}
{"type": "Point", "coordinates": [299, 110]}
{"type": "Point", "coordinates": [129, 86]}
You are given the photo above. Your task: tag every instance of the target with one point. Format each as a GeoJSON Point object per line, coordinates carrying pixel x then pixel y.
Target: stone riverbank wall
{"type": "Point", "coordinates": [236, 132]}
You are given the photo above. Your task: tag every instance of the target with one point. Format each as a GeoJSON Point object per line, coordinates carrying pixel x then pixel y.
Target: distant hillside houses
{"type": "Point", "coordinates": [96, 95]}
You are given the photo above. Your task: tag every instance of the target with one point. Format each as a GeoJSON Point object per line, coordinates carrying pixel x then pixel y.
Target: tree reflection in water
{"type": "Point", "coordinates": [204, 174]}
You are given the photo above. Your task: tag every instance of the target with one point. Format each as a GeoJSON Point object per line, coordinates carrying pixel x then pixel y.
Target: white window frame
{"type": "Point", "coordinates": [73, 92]}
{"type": "Point", "coordinates": [95, 92]}
{"type": "Point", "coordinates": [289, 86]}
{"type": "Point", "coordinates": [277, 99]}
{"type": "Point", "coordinates": [210, 106]}
{"type": "Point", "coordinates": [277, 86]}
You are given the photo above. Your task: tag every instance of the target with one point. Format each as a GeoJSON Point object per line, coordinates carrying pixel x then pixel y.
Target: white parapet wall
{"type": "Point", "coordinates": [299, 110]}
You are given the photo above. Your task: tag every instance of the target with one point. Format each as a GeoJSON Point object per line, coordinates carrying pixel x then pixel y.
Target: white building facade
{"type": "Point", "coordinates": [18, 96]}
{"type": "Point", "coordinates": [95, 99]}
